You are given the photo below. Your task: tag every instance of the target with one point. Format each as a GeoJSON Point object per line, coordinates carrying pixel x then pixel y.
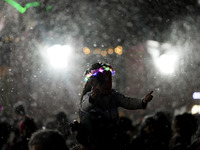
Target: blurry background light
{"type": "Point", "coordinates": [104, 53]}
{"type": "Point", "coordinates": [1, 108]}
{"type": "Point", "coordinates": [166, 62]}
{"type": "Point", "coordinates": [86, 50]}
{"type": "Point", "coordinates": [153, 48]}
{"type": "Point", "coordinates": [97, 50]}
{"type": "Point", "coordinates": [196, 95]}
{"type": "Point", "coordinates": [119, 50]}
{"type": "Point", "coordinates": [110, 51]}
{"type": "Point", "coordinates": [164, 55]}
{"type": "Point", "coordinates": [58, 55]}
{"type": "Point", "coordinates": [153, 44]}
{"type": "Point", "coordinates": [195, 109]}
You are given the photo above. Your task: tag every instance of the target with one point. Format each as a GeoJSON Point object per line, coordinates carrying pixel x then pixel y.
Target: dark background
{"type": "Point", "coordinates": [25, 75]}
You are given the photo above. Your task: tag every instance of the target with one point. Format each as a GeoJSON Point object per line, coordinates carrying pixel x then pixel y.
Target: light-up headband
{"type": "Point", "coordinates": [101, 70]}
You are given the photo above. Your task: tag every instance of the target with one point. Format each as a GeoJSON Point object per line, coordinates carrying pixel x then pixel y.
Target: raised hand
{"type": "Point", "coordinates": [148, 97]}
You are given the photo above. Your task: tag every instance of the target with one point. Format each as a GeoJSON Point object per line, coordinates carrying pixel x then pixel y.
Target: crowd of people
{"type": "Point", "coordinates": [99, 126]}
{"type": "Point", "coordinates": [160, 130]}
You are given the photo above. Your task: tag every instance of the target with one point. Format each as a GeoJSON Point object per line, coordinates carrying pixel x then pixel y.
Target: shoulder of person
{"type": "Point", "coordinates": [113, 91]}
{"type": "Point", "coordinates": [116, 93]}
{"type": "Point", "coordinates": [86, 96]}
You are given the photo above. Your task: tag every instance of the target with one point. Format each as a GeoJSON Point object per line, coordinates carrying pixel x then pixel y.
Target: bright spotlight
{"type": "Point", "coordinates": [58, 55]}
{"type": "Point", "coordinates": [164, 55]}
{"type": "Point", "coordinates": [195, 109]}
{"type": "Point", "coordinates": [196, 95]}
{"type": "Point", "coordinates": [166, 63]}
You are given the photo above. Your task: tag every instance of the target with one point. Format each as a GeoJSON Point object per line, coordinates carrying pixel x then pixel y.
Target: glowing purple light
{"type": "Point", "coordinates": [196, 95]}
{"type": "Point", "coordinates": [101, 70]}
{"type": "Point", "coordinates": [95, 74]}
{"type": "Point", "coordinates": [113, 72]}
{"type": "Point", "coordinates": [1, 107]}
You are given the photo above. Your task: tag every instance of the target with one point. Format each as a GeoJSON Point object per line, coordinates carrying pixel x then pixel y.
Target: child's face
{"type": "Point", "coordinates": [105, 86]}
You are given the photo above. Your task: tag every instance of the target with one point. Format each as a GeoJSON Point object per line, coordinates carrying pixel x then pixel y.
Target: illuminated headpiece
{"type": "Point", "coordinates": [96, 71]}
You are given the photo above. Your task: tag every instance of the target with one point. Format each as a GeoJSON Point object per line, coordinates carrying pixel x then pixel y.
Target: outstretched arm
{"type": "Point", "coordinates": [133, 103]}
{"type": "Point", "coordinates": [147, 97]}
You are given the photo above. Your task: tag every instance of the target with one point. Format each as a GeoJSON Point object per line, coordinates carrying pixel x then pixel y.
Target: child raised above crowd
{"type": "Point", "coordinates": [98, 94]}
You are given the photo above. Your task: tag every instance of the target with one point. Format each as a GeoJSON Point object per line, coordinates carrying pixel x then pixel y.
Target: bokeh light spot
{"type": "Point", "coordinates": [110, 51]}
{"type": "Point", "coordinates": [98, 51]}
{"type": "Point", "coordinates": [195, 109]}
{"type": "Point", "coordinates": [196, 95]}
{"type": "Point", "coordinates": [119, 50]}
{"type": "Point", "coordinates": [86, 50]}
{"type": "Point", "coordinates": [103, 53]}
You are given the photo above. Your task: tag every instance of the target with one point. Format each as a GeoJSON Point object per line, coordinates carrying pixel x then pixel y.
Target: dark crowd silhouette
{"type": "Point", "coordinates": [160, 130]}
{"type": "Point", "coordinates": [99, 126]}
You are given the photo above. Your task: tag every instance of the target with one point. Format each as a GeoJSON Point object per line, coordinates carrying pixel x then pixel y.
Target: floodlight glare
{"type": "Point", "coordinates": [58, 55]}
{"type": "Point", "coordinates": [195, 109]}
{"type": "Point", "coordinates": [165, 56]}
{"type": "Point", "coordinates": [166, 63]}
{"type": "Point", "coordinates": [196, 95]}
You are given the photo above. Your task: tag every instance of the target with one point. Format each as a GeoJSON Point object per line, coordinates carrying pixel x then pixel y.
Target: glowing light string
{"type": "Point", "coordinates": [101, 70]}
{"type": "Point", "coordinates": [20, 8]}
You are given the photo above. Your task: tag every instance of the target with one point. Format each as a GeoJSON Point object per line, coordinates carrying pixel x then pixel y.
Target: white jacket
{"type": "Point", "coordinates": [108, 105]}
